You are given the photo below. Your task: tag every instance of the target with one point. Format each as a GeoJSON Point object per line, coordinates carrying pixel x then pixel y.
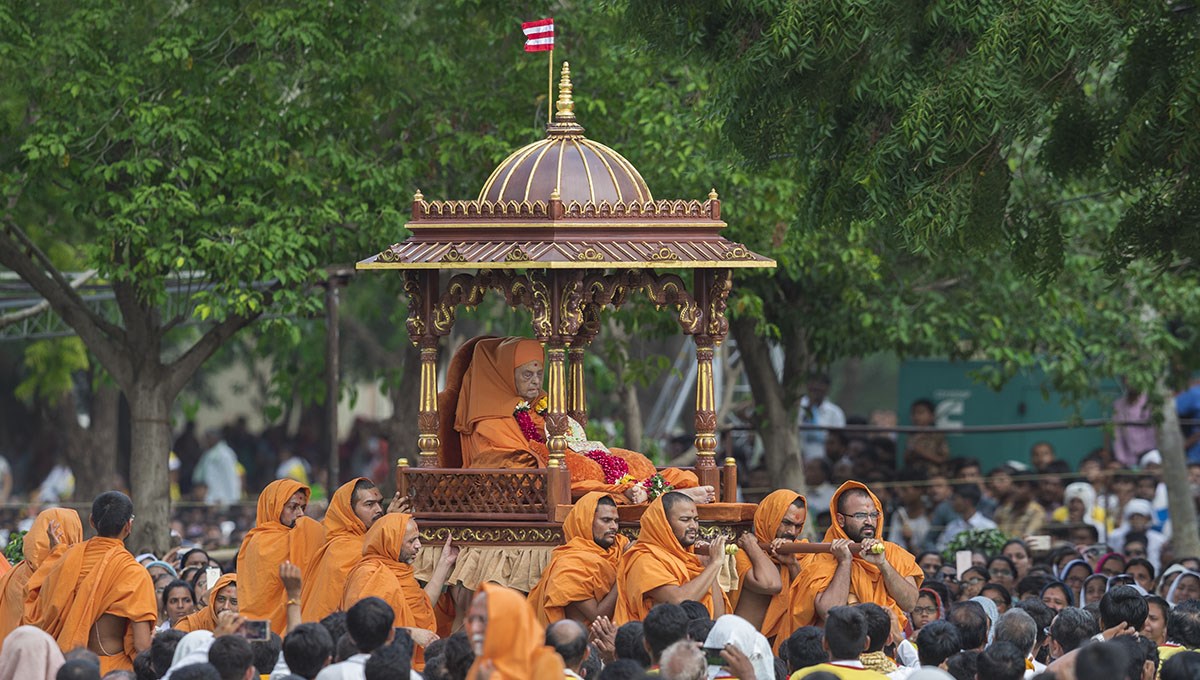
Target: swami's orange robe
{"type": "Point", "coordinates": [492, 438]}
{"type": "Point", "coordinates": [380, 573]}
{"type": "Point", "coordinates": [514, 641]}
{"type": "Point", "coordinates": [656, 559]}
{"type": "Point", "coordinates": [269, 544]}
{"type": "Point", "coordinates": [325, 577]}
{"type": "Point", "coordinates": [206, 619]}
{"type": "Point", "coordinates": [76, 587]}
{"type": "Point", "coordinates": [579, 570]}
{"type": "Point", "coordinates": [14, 584]}
{"type": "Point", "coordinates": [866, 581]}
{"type": "Point", "coordinates": [767, 518]}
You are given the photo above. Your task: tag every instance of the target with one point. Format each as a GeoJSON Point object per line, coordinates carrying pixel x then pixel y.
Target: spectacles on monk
{"type": "Point", "coordinates": [924, 611]}
{"type": "Point", "coordinates": [862, 516]}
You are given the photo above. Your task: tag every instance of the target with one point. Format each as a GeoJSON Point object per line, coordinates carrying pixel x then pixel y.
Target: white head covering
{"type": "Point", "coordinates": [930, 673]}
{"type": "Point", "coordinates": [1084, 492]}
{"type": "Point", "coordinates": [992, 611]}
{"type": "Point", "coordinates": [1173, 569]}
{"type": "Point", "coordinates": [733, 629]}
{"type": "Point", "coordinates": [1175, 584]}
{"type": "Point", "coordinates": [1139, 506]}
{"type": "Point", "coordinates": [190, 649]}
{"type": "Point", "coordinates": [30, 654]}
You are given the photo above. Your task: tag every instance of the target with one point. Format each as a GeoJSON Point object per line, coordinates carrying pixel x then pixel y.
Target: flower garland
{"type": "Point", "coordinates": [656, 486]}
{"type": "Point", "coordinates": [614, 467]}
{"type": "Point", "coordinates": [525, 421]}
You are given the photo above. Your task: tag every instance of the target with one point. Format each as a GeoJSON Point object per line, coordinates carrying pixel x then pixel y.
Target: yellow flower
{"type": "Point", "coordinates": [541, 404]}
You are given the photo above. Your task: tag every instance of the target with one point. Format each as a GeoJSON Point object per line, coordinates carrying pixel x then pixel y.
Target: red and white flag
{"type": "Point", "coordinates": [539, 35]}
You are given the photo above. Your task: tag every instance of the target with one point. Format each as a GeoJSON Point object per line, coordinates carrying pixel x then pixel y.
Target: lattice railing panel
{"type": "Point", "coordinates": [508, 492]}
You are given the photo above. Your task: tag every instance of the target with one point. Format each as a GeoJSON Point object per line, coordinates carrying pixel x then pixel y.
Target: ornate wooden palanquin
{"type": "Point", "coordinates": [564, 227]}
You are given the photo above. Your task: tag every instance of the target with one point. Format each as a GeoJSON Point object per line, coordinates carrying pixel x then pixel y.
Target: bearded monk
{"type": "Point", "coordinates": [355, 506]}
{"type": "Point", "coordinates": [385, 571]}
{"type": "Point", "coordinates": [890, 579]}
{"type": "Point", "coordinates": [94, 594]}
{"type": "Point", "coordinates": [663, 566]}
{"type": "Point", "coordinates": [580, 581]}
{"type": "Point", "coordinates": [222, 597]}
{"type": "Point", "coordinates": [509, 643]}
{"type": "Point", "coordinates": [764, 577]}
{"type": "Point", "coordinates": [281, 534]}
{"type": "Point", "coordinates": [501, 424]}
{"type": "Point", "coordinates": [55, 529]}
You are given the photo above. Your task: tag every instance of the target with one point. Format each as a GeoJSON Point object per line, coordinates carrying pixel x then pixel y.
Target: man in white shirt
{"type": "Point", "coordinates": [369, 623]}
{"type": "Point", "coordinates": [815, 409]}
{"type": "Point", "coordinates": [965, 502]}
{"type": "Point", "coordinates": [1019, 628]}
{"type": "Point", "coordinates": [218, 472]}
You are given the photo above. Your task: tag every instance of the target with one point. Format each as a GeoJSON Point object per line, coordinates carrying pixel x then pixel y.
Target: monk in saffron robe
{"type": "Point", "coordinates": [385, 571]}
{"type": "Point", "coordinates": [890, 579]}
{"type": "Point", "coordinates": [281, 533]}
{"type": "Point", "coordinates": [55, 529]}
{"type": "Point", "coordinates": [509, 643]}
{"type": "Point", "coordinates": [580, 582]}
{"type": "Point", "coordinates": [663, 566]}
{"type": "Point", "coordinates": [94, 594]}
{"type": "Point", "coordinates": [355, 506]}
{"type": "Point", "coordinates": [762, 596]}
{"type": "Point", "coordinates": [221, 597]}
{"type": "Point", "coordinates": [501, 424]}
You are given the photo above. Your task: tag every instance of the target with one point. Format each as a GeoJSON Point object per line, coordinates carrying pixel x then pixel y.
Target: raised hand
{"type": "Point", "coordinates": [400, 504]}
{"type": "Point", "coordinates": [290, 575]}
{"type": "Point", "coordinates": [603, 634]}
{"type": "Point", "coordinates": [449, 553]}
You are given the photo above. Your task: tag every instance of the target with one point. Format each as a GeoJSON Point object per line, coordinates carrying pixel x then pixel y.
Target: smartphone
{"type": "Point", "coordinates": [256, 630]}
{"type": "Point", "coordinates": [713, 657]}
{"type": "Point", "coordinates": [211, 574]}
{"type": "Point", "coordinates": [1039, 543]}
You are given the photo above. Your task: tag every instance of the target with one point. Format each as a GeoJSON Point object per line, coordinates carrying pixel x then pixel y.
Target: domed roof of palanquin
{"type": "Point", "coordinates": [580, 169]}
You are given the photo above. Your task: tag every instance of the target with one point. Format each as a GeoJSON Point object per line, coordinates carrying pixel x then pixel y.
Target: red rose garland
{"type": "Point", "coordinates": [614, 467]}
{"type": "Point", "coordinates": [525, 421]}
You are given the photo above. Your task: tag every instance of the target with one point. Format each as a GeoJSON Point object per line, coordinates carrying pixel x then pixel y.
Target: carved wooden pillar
{"type": "Point", "coordinates": [427, 416]}
{"type": "Point", "coordinates": [706, 415]}
{"type": "Point", "coordinates": [556, 390]}
{"type": "Point", "coordinates": [576, 400]}
{"type": "Point", "coordinates": [424, 329]}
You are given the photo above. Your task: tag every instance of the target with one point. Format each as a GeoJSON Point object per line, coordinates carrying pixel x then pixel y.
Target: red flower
{"type": "Point", "coordinates": [528, 428]}
{"type": "Point", "coordinates": [614, 467]}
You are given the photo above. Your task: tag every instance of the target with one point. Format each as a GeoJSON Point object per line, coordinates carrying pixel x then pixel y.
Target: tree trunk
{"type": "Point", "coordinates": [91, 451]}
{"type": "Point", "coordinates": [150, 442]}
{"type": "Point", "coordinates": [776, 419]}
{"type": "Point", "coordinates": [631, 409]}
{"type": "Point", "coordinates": [1184, 534]}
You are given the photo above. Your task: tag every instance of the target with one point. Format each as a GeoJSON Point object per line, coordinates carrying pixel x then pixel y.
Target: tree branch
{"type": "Point", "coordinates": [35, 309]}
{"type": "Point", "coordinates": [104, 339]}
{"type": "Point", "coordinates": [180, 371]}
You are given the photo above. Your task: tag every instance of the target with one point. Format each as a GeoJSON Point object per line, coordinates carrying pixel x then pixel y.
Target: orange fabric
{"type": "Point", "coordinates": [578, 570]}
{"type": "Point", "coordinates": [261, 594]}
{"type": "Point", "coordinates": [492, 438]}
{"type": "Point", "coordinates": [72, 590]}
{"type": "Point", "coordinates": [325, 576]}
{"type": "Point", "coordinates": [866, 581]}
{"type": "Point", "coordinates": [514, 641]}
{"type": "Point", "coordinates": [656, 559]}
{"type": "Point", "coordinates": [489, 389]}
{"type": "Point", "coordinates": [380, 573]}
{"type": "Point", "coordinates": [14, 584]}
{"type": "Point", "coordinates": [767, 518]}
{"type": "Point", "coordinates": [206, 619]}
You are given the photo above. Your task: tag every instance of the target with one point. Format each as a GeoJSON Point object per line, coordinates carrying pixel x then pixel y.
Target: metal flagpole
{"type": "Point", "coordinates": [550, 88]}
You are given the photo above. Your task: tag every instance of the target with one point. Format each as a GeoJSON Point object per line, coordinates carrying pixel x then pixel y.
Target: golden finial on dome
{"type": "Point", "coordinates": [565, 105]}
{"type": "Point", "coordinates": [712, 194]}
{"type": "Point", "coordinates": [554, 195]}
{"type": "Point", "coordinates": [418, 196]}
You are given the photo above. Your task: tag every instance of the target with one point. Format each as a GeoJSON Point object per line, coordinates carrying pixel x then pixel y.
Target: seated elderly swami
{"type": "Point", "coordinates": [500, 419]}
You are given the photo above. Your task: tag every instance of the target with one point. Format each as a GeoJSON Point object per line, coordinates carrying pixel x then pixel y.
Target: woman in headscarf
{"type": "Point", "coordinates": [929, 608]}
{"type": "Point", "coordinates": [1186, 587]}
{"type": "Point", "coordinates": [1168, 579]}
{"type": "Point", "coordinates": [1094, 588]}
{"type": "Point", "coordinates": [1111, 564]}
{"type": "Point", "coordinates": [30, 654]}
{"type": "Point", "coordinates": [1056, 595]}
{"type": "Point", "coordinates": [223, 596]}
{"type": "Point", "coordinates": [1074, 574]}
{"type": "Point", "coordinates": [731, 629]}
{"type": "Point", "coordinates": [992, 611]}
{"type": "Point", "coordinates": [192, 648]}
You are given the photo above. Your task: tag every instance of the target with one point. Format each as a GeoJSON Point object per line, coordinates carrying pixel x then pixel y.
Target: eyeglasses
{"type": "Point", "coordinates": [924, 611]}
{"type": "Point", "coordinates": [862, 516]}
{"type": "Point", "coordinates": [1001, 572]}
{"type": "Point", "coordinates": [974, 581]}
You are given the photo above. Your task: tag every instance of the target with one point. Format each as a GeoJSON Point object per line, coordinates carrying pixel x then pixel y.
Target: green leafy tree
{"type": "Point", "coordinates": [222, 146]}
